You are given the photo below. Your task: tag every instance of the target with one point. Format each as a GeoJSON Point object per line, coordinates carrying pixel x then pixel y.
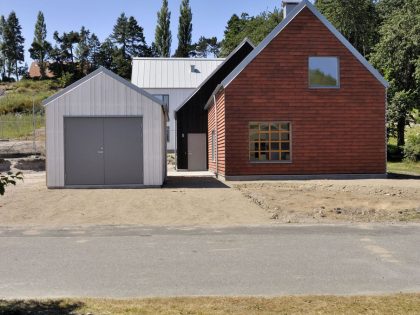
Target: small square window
{"type": "Point", "coordinates": [323, 72]}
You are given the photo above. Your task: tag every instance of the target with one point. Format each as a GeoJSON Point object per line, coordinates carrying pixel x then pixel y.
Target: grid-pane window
{"type": "Point", "coordinates": [269, 141]}
{"type": "Point", "coordinates": [324, 72]}
{"type": "Point", "coordinates": [213, 145]}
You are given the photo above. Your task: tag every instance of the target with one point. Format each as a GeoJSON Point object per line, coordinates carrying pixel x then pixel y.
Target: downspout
{"type": "Point", "coordinates": [216, 135]}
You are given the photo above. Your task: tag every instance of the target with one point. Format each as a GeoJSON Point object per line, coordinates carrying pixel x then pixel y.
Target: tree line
{"type": "Point", "coordinates": [76, 53]}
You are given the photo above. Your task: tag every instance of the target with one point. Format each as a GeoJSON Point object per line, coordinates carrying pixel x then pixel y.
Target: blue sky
{"type": "Point", "coordinates": [99, 16]}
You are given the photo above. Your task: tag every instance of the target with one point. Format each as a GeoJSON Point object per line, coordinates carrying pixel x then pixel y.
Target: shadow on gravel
{"type": "Point", "coordinates": [402, 176]}
{"type": "Point", "coordinates": [57, 307]}
{"type": "Point", "coordinates": [193, 182]}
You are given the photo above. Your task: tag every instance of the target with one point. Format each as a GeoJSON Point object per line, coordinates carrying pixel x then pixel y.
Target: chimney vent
{"type": "Point", "coordinates": [288, 6]}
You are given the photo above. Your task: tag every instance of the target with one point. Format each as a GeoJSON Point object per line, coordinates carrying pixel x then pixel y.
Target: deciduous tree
{"type": "Point", "coordinates": [184, 30]}
{"type": "Point", "coordinates": [40, 47]}
{"type": "Point", "coordinates": [397, 55]}
{"type": "Point", "coordinates": [163, 35]}
{"type": "Point", "coordinates": [357, 20]}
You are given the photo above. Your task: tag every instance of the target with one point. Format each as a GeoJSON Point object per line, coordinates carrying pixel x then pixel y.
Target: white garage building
{"type": "Point", "coordinates": [103, 131]}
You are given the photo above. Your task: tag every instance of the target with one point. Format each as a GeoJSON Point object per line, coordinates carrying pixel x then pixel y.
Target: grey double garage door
{"type": "Point", "coordinates": [103, 151]}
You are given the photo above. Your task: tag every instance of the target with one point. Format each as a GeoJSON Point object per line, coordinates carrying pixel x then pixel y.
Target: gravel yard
{"type": "Point", "coordinates": [204, 201]}
{"type": "Point", "coordinates": [331, 201]}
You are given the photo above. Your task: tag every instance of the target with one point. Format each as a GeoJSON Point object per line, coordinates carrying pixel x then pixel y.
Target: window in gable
{"type": "Point", "coordinates": [324, 72]}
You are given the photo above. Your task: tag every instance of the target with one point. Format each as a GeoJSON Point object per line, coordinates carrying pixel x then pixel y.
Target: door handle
{"type": "Point", "coordinates": [100, 152]}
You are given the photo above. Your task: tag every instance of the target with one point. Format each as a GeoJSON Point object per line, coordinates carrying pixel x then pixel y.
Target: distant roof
{"type": "Point", "coordinates": [160, 73]}
{"type": "Point", "coordinates": [35, 71]}
{"type": "Point", "coordinates": [211, 82]}
{"type": "Point", "coordinates": [283, 24]}
{"type": "Point", "coordinates": [108, 73]}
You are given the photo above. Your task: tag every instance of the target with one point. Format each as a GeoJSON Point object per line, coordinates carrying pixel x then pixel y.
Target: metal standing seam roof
{"type": "Point", "coordinates": [245, 41]}
{"type": "Point", "coordinates": [283, 24]}
{"type": "Point", "coordinates": [108, 73]}
{"type": "Point", "coordinates": [163, 73]}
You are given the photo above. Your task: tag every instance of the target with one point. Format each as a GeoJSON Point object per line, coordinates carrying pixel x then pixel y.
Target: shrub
{"type": "Point", "coordinates": [412, 144]}
{"type": "Point", "coordinates": [65, 80]}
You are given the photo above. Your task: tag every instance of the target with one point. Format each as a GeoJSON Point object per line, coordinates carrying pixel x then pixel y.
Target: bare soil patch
{"type": "Point", "coordinates": [332, 201]}
{"type": "Point", "coordinates": [196, 201]}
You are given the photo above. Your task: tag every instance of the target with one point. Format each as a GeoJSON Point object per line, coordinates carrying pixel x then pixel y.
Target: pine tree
{"type": "Point", "coordinates": [129, 39]}
{"type": "Point", "coordinates": [120, 33]}
{"type": "Point", "coordinates": [206, 46]}
{"type": "Point", "coordinates": [13, 44]}
{"type": "Point", "coordinates": [40, 47]}
{"type": "Point", "coordinates": [106, 52]}
{"type": "Point", "coordinates": [2, 56]}
{"type": "Point", "coordinates": [163, 35]}
{"type": "Point", "coordinates": [95, 48]}
{"type": "Point", "coordinates": [136, 42]}
{"type": "Point", "coordinates": [83, 50]}
{"type": "Point", "coordinates": [184, 30]}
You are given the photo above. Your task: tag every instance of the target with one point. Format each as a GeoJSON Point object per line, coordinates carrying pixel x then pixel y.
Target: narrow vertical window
{"type": "Point", "coordinates": [213, 145]}
{"type": "Point", "coordinates": [168, 134]}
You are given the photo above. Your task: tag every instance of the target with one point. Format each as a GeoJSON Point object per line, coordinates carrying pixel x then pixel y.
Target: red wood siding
{"type": "Point", "coordinates": [334, 131]}
{"type": "Point", "coordinates": [220, 134]}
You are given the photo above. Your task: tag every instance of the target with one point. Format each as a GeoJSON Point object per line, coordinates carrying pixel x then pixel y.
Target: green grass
{"type": "Point", "coordinates": [20, 95]}
{"type": "Point", "coordinates": [394, 304]}
{"type": "Point", "coordinates": [412, 168]}
{"type": "Point", "coordinates": [19, 126]}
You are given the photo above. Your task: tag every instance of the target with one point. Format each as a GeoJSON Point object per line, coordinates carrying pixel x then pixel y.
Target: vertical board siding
{"type": "Point", "coordinates": [218, 167]}
{"type": "Point", "coordinates": [155, 73]}
{"type": "Point", "coordinates": [104, 96]}
{"type": "Point", "coordinates": [334, 131]}
{"type": "Point", "coordinates": [176, 98]}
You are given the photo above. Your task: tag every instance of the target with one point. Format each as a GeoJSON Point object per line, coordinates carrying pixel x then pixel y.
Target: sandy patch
{"type": "Point", "coordinates": [327, 201]}
{"type": "Point", "coordinates": [183, 202]}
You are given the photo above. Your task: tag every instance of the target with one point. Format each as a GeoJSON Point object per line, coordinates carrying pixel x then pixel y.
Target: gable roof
{"type": "Point", "coordinates": [172, 73]}
{"type": "Point", "coordinates": [284, 23]}
{"type": "Point", "coordinates": [245, 46]}
{"type": "Point", "coordinates": [108, 73]}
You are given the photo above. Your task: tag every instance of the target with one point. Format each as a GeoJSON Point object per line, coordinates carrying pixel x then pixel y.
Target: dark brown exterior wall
{"type": "Point", "coordinates": [334, 131]}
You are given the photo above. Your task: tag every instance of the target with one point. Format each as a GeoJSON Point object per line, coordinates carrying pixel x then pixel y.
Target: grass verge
{"type": "Point", "coordinates": [19, 126]}
{"type": "Point", "coordinates": [405, 167]}
{"type": "Point", "coordinates": [20, 96]}
{"type": "Point", "coordinates": [393, 304]}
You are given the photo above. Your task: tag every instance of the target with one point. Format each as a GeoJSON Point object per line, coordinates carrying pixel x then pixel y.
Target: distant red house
{"type": "Point", "coordinates": [304, 103]}
{"type": "Point", "coordinates": [35, 71]}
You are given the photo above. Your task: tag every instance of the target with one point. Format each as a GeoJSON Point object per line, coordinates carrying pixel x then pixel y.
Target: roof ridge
{"type": "Point", "coordinates": [282, 25]}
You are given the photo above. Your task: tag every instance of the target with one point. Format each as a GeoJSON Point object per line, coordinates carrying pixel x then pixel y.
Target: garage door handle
{"type": "Point", "coordinates": [100, 152]}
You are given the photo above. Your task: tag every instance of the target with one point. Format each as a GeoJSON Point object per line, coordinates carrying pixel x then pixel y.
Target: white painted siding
{"type": "Point", "coordinates": [176, 98]}
{"type": "Point", "coordinates": [155, 73]}
{"type": "Point", "coordinates": [103, 95]}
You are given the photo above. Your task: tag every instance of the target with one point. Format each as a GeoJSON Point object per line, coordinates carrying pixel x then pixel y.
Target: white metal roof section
{"type": "Point", "coordinates": [109, 73]}
{"type": "Point", "coordinates": [161, 73]}
{"type": "Point", "coordinates": [283, 24]}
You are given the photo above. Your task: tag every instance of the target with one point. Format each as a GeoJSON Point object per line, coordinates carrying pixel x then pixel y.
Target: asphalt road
{"type": "Point", "coordinates": [125, 262]}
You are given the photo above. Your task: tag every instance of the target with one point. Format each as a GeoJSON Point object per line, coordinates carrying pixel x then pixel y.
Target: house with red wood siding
{"type": "Point", "coordinates": [303, 104]}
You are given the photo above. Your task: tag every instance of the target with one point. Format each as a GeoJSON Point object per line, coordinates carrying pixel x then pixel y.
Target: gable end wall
{"type": "Point", "coordinates": [334, 131]}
